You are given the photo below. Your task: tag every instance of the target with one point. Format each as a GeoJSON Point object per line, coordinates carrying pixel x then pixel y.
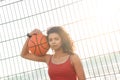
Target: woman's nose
{"type": "Point", "coordinates": [53, 42]}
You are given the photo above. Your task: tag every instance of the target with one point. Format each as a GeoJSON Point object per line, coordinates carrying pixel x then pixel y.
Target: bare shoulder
{"type": "Point", "coordinates": [75, 58]}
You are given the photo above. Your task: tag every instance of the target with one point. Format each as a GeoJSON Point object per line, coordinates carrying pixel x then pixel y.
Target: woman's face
{"type": "Point", "coordinates": [55, 41]}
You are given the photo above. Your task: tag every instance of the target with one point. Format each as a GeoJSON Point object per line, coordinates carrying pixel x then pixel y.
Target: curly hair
{"type": "Point", "coordinates": [67, 43]}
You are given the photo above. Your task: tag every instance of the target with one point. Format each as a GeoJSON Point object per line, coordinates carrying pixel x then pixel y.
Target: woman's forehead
{"type": "Point", "coordinates": [53, 35]}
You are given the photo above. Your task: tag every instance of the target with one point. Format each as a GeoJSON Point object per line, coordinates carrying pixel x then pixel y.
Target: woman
{"type": "Point", "coordinates": [63, 64]}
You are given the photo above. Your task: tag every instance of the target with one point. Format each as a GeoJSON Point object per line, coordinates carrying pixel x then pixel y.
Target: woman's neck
{"type": "Point", "coordinates": [59, 51]}
{"type": "Point", "coordinates": [59, 54]}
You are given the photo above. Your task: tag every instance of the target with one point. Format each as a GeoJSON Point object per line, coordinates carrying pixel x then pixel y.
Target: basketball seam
{"type": "Point", "coordinates": [33, 46]}
{"type": "Point", "coordinates": [37, 43]}
{"type": "Point", "coordinates": [42, 45]}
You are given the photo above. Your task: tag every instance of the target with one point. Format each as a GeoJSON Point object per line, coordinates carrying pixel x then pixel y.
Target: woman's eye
{"type": "Point", "coordinates": [54, 39]}
{"type": "Point", "coordinates": [50, 39]}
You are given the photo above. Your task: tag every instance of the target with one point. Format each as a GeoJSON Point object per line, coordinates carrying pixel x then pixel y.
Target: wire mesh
{"type": "Point", "coordinates": [93, 26]}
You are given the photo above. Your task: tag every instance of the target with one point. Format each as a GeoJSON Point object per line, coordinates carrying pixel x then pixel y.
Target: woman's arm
{"type": "Point", "coordinates": [25, 53]}
{"type": "Point", "coordinates": [78, 67]}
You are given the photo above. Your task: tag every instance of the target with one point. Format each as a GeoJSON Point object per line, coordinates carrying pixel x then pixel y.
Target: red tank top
{"type": "Point", "coordinates": [64, 71]}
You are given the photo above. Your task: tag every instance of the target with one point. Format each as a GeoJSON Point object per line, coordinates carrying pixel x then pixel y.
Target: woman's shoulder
{"type": "Point", "coordinates": [75, 58]}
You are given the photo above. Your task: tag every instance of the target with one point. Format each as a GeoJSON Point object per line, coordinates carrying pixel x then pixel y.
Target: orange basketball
{"type": "Point", "coordinates": [38, 44]}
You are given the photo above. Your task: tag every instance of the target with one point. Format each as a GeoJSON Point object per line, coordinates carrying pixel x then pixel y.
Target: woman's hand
{"type": "Point", "coordinates": [34, 32]}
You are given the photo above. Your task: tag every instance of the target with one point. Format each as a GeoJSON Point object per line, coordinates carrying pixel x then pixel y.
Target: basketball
{"type": "Point", "coordinates": [38, 44]}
